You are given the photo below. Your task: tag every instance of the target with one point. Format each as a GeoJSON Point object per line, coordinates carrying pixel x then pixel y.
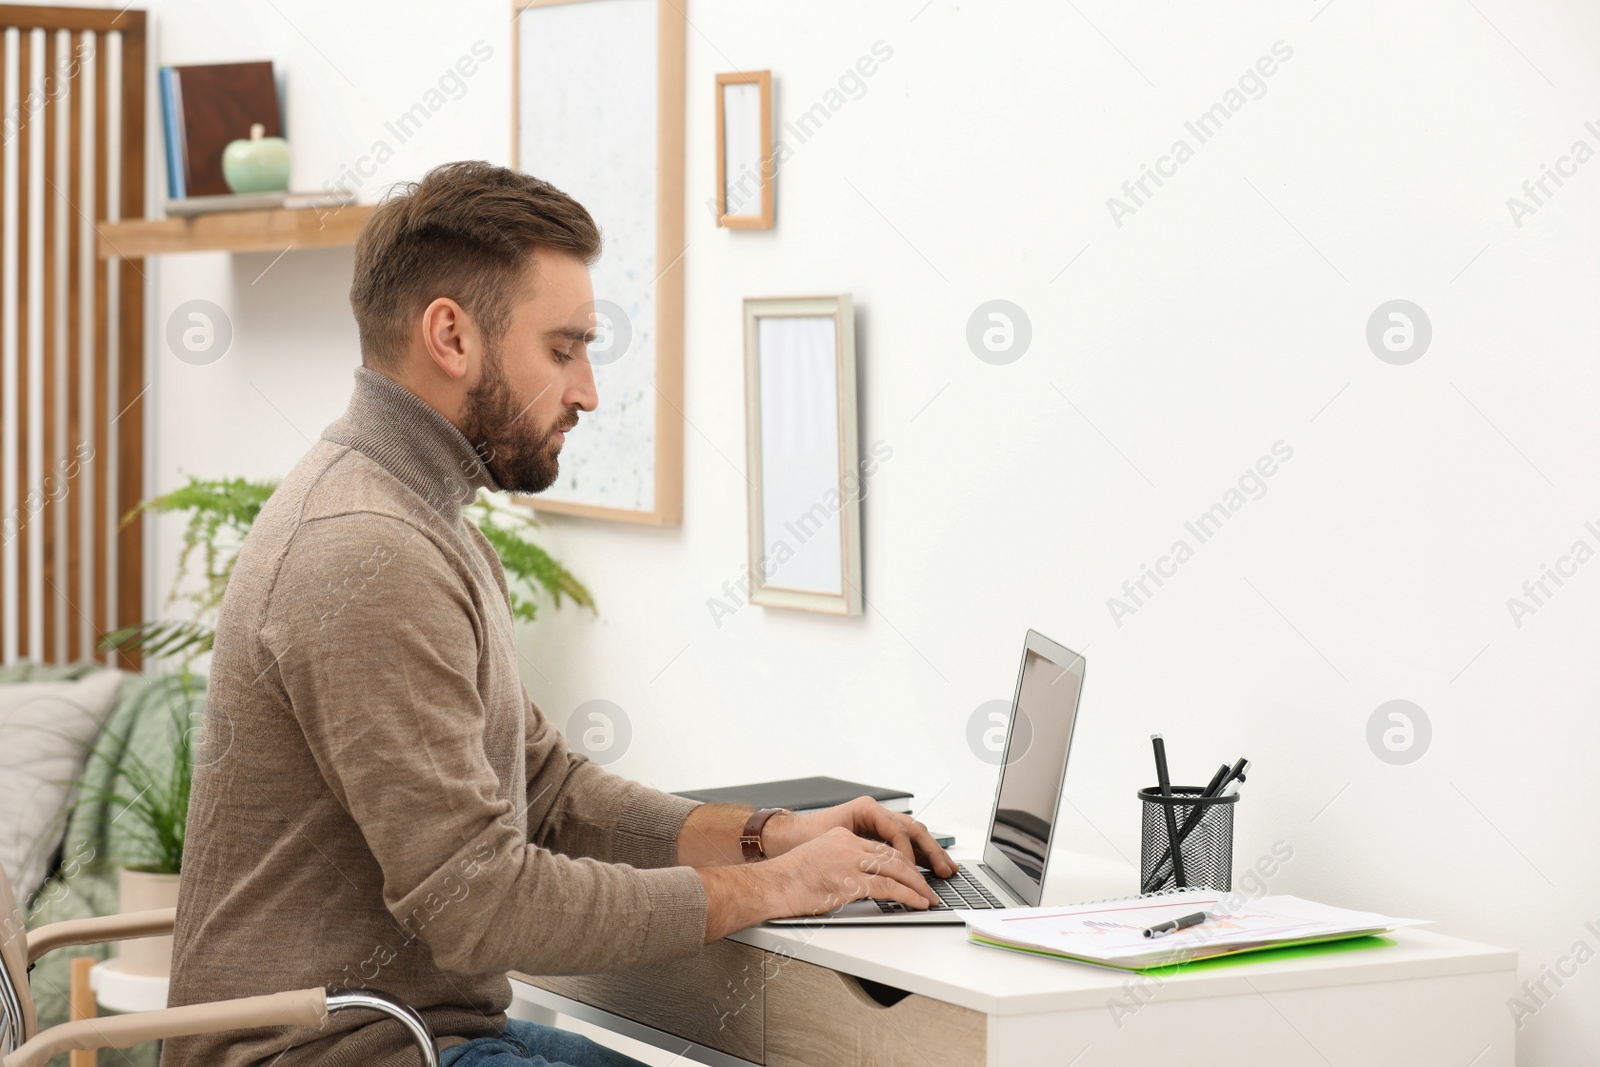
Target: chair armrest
{"type": "Point", "coordinates": [124, 927]}
{"type": "Point", "coordinates": [301, 1007]}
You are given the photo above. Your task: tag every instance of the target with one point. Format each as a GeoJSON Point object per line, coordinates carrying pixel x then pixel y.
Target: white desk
{"type": "Point", "coordinates": [790, 997]}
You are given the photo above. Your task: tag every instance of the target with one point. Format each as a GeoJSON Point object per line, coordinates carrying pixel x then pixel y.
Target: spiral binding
{"type": "Point", "coordinates": [1170, 891]}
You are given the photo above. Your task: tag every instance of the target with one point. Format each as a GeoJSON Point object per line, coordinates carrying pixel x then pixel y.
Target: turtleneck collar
{"type": "Point", "coordinates": [395, 428]}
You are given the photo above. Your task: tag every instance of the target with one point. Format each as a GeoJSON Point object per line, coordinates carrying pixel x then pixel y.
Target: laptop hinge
{"type": "Point", "coordinates": [999, 882]}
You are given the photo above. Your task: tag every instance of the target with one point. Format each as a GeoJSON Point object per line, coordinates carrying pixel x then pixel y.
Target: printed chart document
{"type": "Point", "coordinates": [1111, 933]}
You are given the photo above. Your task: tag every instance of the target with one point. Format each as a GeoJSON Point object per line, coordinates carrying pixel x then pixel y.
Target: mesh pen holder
{"type": "Point", "coordinates": [1206, 848]}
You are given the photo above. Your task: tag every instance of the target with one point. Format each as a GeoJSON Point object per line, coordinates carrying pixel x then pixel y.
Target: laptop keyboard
{"type": "Point", "coordinates": [958, 891]}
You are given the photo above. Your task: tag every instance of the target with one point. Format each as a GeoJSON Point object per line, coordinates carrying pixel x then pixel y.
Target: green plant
{"type": "Point", "coordinates": [221, 511]}
{"type": "Point", "coordinates": [525, 563]}
{"type": "Point", "coordinates": [151, 802]}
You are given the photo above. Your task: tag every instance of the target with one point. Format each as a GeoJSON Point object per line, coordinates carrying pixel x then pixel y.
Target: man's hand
{"type": "Point", "coordinates": [816, 862]}
{"type": "Point", "coordinates": [866, 818]}
{"type": "Point", "coordinates": [840, 866]}
{"type": "Point", "coordinates": [811, 878]}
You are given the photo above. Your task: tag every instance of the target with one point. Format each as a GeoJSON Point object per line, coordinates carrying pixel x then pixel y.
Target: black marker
{"type": "Point", "coordinates": [1171, 812]}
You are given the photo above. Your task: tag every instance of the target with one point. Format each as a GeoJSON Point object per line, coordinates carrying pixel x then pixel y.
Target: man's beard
{"type": "Point", "coordinates": [521, 457]}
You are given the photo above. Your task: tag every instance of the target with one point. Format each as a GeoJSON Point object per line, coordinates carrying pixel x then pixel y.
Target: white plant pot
{"type": "Point", "coordinates": [143, 891]}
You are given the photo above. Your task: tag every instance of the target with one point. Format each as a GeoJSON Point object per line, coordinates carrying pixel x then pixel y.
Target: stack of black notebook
{"type": "Point", "coordinates": [801, 794]}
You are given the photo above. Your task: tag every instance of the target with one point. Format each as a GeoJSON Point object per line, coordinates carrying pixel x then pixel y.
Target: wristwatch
{"type": "Point", "coordinates": [750, 838]}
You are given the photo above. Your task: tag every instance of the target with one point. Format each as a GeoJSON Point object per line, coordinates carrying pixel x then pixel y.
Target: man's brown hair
{"type": "Point", "coordinates": [467, 231]}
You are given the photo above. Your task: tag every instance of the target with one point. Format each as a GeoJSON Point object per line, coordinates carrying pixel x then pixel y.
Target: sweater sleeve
{"type": "Point", "coordinates": [577, 808]}
{"type": "Point", "coordinates": [386, 691]}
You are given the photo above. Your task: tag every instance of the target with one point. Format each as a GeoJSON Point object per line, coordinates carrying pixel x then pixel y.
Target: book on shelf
{"type": "Point", "coordinates": [171, 125]}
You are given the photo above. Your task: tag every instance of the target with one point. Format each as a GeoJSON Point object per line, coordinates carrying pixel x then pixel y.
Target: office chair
{"type": "Point", "coordinates": [21, 1045]}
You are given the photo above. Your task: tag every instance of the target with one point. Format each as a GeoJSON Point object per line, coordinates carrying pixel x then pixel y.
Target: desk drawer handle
{"type": "Point", "coordinates": [872, 994]}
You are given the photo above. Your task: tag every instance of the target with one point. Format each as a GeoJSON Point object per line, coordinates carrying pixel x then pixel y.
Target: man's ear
{"type": "Point", "coordinates": [445, 330]}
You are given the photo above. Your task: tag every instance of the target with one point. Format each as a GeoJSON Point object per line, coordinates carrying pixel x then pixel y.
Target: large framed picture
{"type": "Point", "coordinates": [598, 111]}
{"type": "Point", "coordinates": [801, 453]}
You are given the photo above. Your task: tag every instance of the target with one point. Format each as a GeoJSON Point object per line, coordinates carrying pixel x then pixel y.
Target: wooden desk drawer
{"type": "Point", "coordinates": [714, 999]}
{"type": "Point", "coordinates": [821, 1018]}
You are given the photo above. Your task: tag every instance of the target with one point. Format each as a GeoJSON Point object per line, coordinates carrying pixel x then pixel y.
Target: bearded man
{"type": "Point", "coordinates": [378, 803]}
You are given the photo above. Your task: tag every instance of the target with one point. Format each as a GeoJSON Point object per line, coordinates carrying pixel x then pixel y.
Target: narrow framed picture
{"type": "Point", "coordinates": [745, 164]}
{"type": "Point", "coordinates": [801, 453]}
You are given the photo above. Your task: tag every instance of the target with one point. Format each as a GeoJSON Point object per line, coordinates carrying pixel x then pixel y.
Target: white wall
{"type": "Point", "coordinates": [1228, 313]}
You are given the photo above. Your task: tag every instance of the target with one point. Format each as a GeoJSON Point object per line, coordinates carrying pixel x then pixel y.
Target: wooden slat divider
{"type": "Point", "coordinates": [9, 519]}
{"type": "Point", "coordinates": [24, 393]}
{"type": "Point", "coordinates": [130, 342]}
{"type": "Point", "coordinates": [74, 582]}
{"type": "Point", "coordinates": [29, 17]}
{"type": "Point", "coordinates": [102, 353]}
{"type": "Point", "coordinates": [51, 445]}
{"type": "Point", "coordinates": [74, 448]}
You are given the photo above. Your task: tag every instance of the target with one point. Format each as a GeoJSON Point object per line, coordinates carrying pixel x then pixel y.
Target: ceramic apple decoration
{"type": "Point", "coordinates": [259, 165]}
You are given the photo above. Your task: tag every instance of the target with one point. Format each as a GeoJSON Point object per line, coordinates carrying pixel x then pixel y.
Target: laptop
{"type": "Point", "coordinates": [1033, 770]}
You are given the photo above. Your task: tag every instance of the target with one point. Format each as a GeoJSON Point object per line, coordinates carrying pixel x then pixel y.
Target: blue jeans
{"type": "Point", "coordinates": [525, 1044]}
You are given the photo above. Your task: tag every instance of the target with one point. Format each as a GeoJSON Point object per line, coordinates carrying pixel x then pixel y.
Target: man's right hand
{"type": "Point", "coordinates": [839, 867]}
{"type": "Point", "coordinates": [811, 879]}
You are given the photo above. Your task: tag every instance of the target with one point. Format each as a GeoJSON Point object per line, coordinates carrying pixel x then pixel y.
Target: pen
{"type": "Point", "coordinates": [1216, 781]}
{"type": "Point", "coordinates": [1177, 924]}
{"type": "Point", "coordinates": [1172, 813]}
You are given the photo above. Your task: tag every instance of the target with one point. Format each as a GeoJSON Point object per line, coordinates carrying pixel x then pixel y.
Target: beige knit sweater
{"type": "Point", "coordinates": [377, 801]}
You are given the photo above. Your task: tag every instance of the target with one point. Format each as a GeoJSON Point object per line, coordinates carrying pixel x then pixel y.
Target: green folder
{"type": "Point", "coordinates": [1311, 946]}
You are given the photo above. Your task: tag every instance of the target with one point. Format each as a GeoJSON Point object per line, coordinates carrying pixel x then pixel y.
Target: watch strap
{"type": "Point", "coordinates": [750, 839]}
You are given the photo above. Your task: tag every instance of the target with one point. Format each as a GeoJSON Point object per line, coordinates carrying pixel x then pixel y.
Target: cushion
{"type": "Point", "coordinates": [85, 884]}
{"type": "Point", "coordinates": [47, 729]}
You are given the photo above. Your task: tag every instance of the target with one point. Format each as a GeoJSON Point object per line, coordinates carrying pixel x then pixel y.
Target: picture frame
{"type": "Point", "coordinates": [746, 169]}
{"type": "Point", "coordinates": [802, 452]}
{"type": "Point", "coordinates": [625, 462]}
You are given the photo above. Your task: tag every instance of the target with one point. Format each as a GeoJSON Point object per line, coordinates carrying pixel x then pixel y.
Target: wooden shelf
{"type": "Point", "coordinates": [233, 231]}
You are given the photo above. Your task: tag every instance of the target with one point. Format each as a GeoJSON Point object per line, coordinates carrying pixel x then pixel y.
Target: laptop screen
{"type": "Point", "coordinates": [1035, 761]}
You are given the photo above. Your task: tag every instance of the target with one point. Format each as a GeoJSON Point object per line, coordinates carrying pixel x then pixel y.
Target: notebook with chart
{"type": "Point", "coordinates": [1111, 933]}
